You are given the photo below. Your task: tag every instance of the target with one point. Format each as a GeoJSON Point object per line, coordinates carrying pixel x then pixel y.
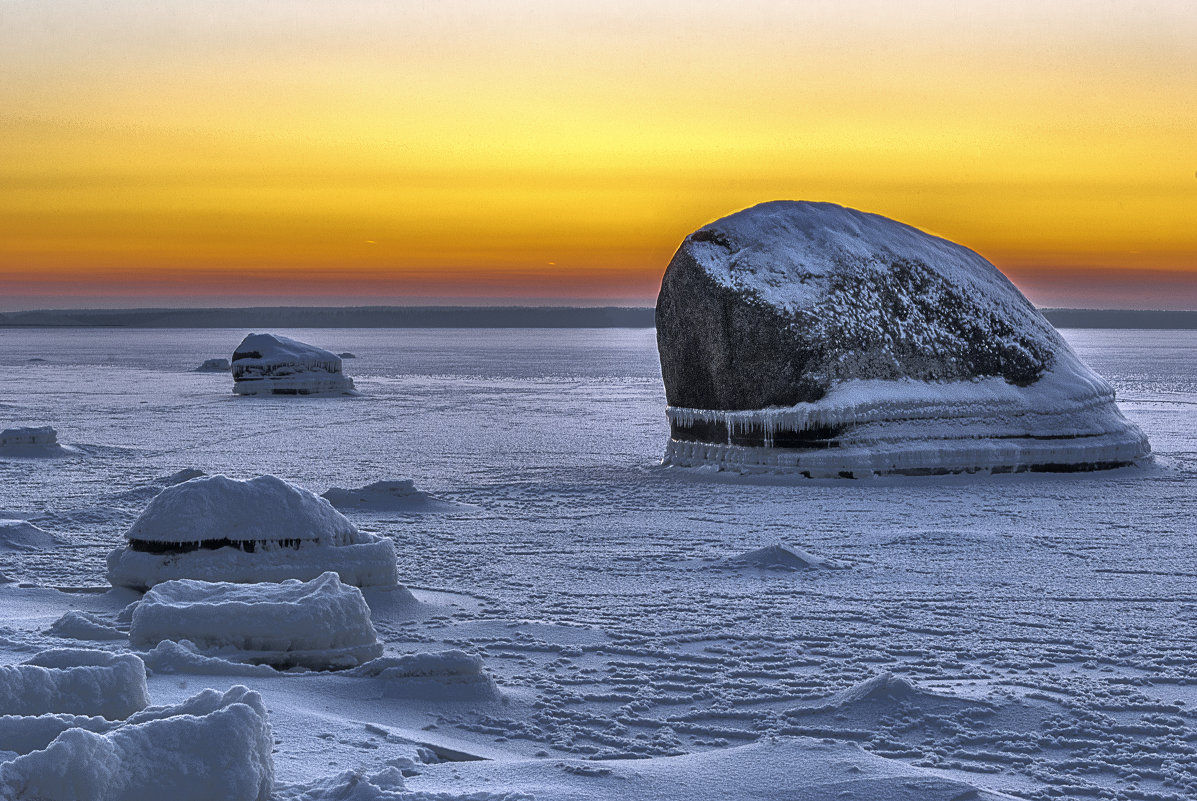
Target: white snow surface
{"type": "Point", "coordinates": [321, 624]}
{"type": "Point", "coordinates": [76, 682]}
{"type": "Point", "coordinates": [270, 364]}
{"type": "Point", "coordinates": [213, 746]}
{"type": "Point", "coordinates": [262, 509]}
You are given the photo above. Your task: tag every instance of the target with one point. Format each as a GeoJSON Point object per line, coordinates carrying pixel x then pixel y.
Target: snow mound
{"type": "Point", "coordinates": [780, 557]}
{"type": "Point", "coordinates": [321, 624]}
{"type": "Point", "coordinates": [213, 366]}
{"type": "Point", "coordinates": [211, 746]}
{"type": "Point", "coordinates": [76, 682]}
{"type": "Point", "coordinates": [22, 734]}
{"type": "Point", "coordinates": [388, 496]}
{"type": "Point", "coordinates": [435, 674]}
{"type": "Point", "coordinates": [76, 625]}
{"type": "Point", "coordinates": [21, 535]}
{"type": "Point", "coordinates": [184, 656]}
{"type": "Point", "coordinates": [265, 529]}
{"type": "Point", "coordinates": [812, 339]}
{"type": "Point", "coordinates": [880, 693]}
{"type": "Point", "coordinates": [31, 442]}
{"type": "Point", "coordinates": [267, 364]}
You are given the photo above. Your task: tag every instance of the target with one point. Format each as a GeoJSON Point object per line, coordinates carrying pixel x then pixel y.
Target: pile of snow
{"type": "Point", "coordinates": [76, 625]}
{"type": "Point", "coordinates": [76, 682]}
{"type": "Point", "coordinates": [813, 339]}
{"type": "Point", "coordinates": [215, 528]}
{"type": "Point", "coordinates": [21, 535]}
{"type": "Point", "coordinates": [39, 441]}
{"type": "Point", "coordinates": [267, 364]}
{"type": "Point", "coordinates": [437, 674]}
{"type": "Point", "coordinates": [780, 557]}
{"type": "Point", "coordinates": [388, 496]}
{"type": "Point", "coordinates": [212, 746]}
{"type": "Point", "coordinates": [184, 656]}
{"type": "Point", "coordinates": [214, 366]}
{"type": "Point", "coordinates": [320, 624]}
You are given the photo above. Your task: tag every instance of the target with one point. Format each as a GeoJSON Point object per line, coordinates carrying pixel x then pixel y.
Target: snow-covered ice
{"type": "Point", "coordinates": [216, 528]}
{"type": "Point", "coordinates": [212, 746]}
{"type": "Point", "coordinates": [268, 364]}
{"type": "Point", "coordinates": [389, 496]}
{"type": "Point", "coordinates": [321, 624]}
{"type": "Point", "coordinates": [21, 535]}
{"type": "Point", "coordinates": [816, 340]}
{"type": "Point", "coordinates": [31, 442]}
{"type": "Point", "coordinates": [74, 681]}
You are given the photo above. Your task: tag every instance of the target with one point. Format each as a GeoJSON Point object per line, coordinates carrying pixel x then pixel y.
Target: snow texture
{"type": "Point", "coordinates": [320, 624]}
{"type": "Point", "coordinates": [21, 535]}
{"type": "Point", "coordinates": [388, 496]}
{"type": "Point", "coordinates": [267, 364]}
{"type": "Point", "coordinates": [212, 746]}
{"type": "Point", "coordinates": [216, 528]}
{"type": "Point", "coordinates": [76, 682]}
{"type": "Point", "coordinates": [812, 339]}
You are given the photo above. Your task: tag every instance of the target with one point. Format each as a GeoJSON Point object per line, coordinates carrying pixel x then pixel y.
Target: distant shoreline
{"type": "Point", "coordinates": [267, 317]}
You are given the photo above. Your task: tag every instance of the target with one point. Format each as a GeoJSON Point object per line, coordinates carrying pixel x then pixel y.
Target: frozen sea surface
{"type": "Point", "coordinates": [1045, 624]}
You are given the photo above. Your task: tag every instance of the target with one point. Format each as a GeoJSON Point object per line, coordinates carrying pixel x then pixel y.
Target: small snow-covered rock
{"type": "Point", "coordinates": [347, 355]}
{"type": "Point", "coordinates": [21, 535]}
{"type": "Point", "coordinates": [31, 442]}
{"type": "Point", "coordinates": [817, 340]}
{"type": "Point", "coordinates": [388, 496]}
{"type": "Point", "coordinates": [76, 682]}
{"type": "Point", "coordinates": [213, 366]}
{"type": "Point", "coordinates": [267, 364]}
{"type": "Point", "coordinates": [433, 674]}
{"type": "Point", "coordinates": [321, 624]}
{"type": "Point", "coordinates": [211, 746]}
{"type": "Point", "coordinates": [216, 528]}
{"type": "Point", "coordinates": [780, 557]}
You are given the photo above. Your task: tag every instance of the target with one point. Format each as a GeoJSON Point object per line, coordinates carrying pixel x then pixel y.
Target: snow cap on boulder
{"type": "Point", "coordinates": [269, 364]}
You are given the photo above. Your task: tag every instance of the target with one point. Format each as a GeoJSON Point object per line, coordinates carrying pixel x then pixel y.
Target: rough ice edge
{"type": "Point", "coordinates": [211, 746]}
{"type": "Point", "coordinates": [369, 564]}
{"type": "Point", "coordinates": [320, 624]}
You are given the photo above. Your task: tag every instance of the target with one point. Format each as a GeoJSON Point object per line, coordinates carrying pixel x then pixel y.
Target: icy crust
{"type": "Point", "coordinates": [320, 624]}
{"type": "Point", "coordinates": [74, 682]}
{"type": "Point", "coordinates": [1067, 420]}
{"type": "Point", "coordinates": [211, 746]}
{"type": "Point", "coordinates": [369, 564]}
{"type": "Point", "coordinates": [268, 364]}
{"type": "Point", "coordinates": [263, 510]}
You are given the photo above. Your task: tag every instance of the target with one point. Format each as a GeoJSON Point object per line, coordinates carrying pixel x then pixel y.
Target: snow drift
{"type": "Point", "coordinates": [21, 535]}
{"type": "Point", "coordinates": [267, 364]}
{"type": "Point", "coordinates": [320, 624]}
{"type": "Point", "coordinates": [211, 746]}
{"type": "Point", "coordinates": [437, 674]}
{"type": "Point", "coordinates": [215, 528]}
{"type": "Point", "coordinates": [388, 496]}
{"type": "Point", "coordinates": [75, 682]}
{"type": "Point", "coordinates": [818, 340]}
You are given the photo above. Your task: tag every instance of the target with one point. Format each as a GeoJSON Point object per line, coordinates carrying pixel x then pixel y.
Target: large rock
{"type": "Point", "coordinates": [269, 364]}
{"type": "Point", "coordinates": [819, 339]}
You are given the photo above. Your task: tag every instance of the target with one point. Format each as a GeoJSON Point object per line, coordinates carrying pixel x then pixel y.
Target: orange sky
{"type": "Point", "coordinates": [244, 152]}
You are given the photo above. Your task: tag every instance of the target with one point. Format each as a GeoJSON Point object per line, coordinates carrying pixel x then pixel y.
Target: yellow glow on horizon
{"type": "Point", "coordinates": [538, 148]}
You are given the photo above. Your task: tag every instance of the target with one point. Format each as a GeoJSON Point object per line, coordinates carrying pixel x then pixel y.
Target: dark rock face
{"type": "Point", "coordinates": [772, 305]}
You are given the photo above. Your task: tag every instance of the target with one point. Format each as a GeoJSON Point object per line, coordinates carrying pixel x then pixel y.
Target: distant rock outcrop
{"type": "Point", "coordinates": [812, 338]}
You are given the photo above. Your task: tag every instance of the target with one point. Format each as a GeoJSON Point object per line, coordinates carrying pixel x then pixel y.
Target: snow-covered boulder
{"type": "Point", "coordinates": [75, 682]}
{"type": "Point", "coordinates": [321, 624]}
{"type": "Point", "coordinates": [215, 528]}
{"type": "Point", "coordinates": [388, 496]}
{"type": "Point", "coordinates": [211, 746]}
{"type": "Point", "coordinates": [31, 441]}
{"type": "Point", "coordinates": [431, 674]}
{"type": "Point", "coordinates": [780, 557]}
{"type": "Point", "coordinates": [823, 341]}
{"type": "Point", "coordinates": [21, 535]}
{"type": "Point", "coordinates": [267, 364]}
{"type": "Point", "coordinates": [213, 366]}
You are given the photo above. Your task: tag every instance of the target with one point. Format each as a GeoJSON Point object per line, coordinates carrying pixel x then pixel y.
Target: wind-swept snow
{"type": "Point", "coordinates": [319, 624]}
{"type": "Point", "coordinates": [268, 364]}
{"type": "Point", "coordinates": [215, 528]}
{"type": "Point", "coordinates": [21, 535]}
{"type": "Point", "coordinates": [389, 496]}
{"type": "Point", "coordinates": [441, 674]}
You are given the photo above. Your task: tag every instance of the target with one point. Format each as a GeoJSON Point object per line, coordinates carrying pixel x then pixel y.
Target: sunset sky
{"type": "Point", "coordinates": [199, 152]}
